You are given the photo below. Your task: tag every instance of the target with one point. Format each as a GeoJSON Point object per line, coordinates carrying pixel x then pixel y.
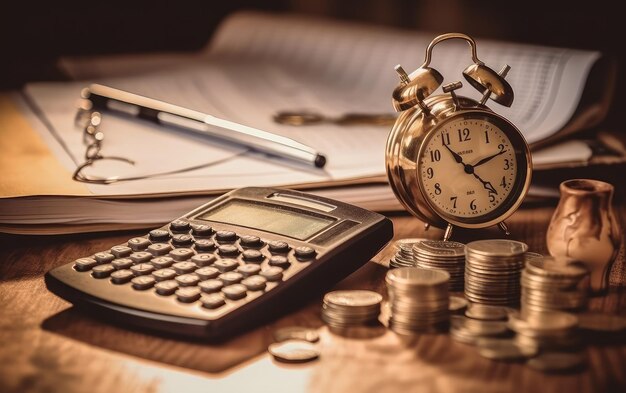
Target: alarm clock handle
{"type": "Point", "coordinates": [449, 36]}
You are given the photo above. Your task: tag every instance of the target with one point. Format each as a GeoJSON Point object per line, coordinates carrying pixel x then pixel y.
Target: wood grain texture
{"type": "Point", "coordinates": [48, 346]}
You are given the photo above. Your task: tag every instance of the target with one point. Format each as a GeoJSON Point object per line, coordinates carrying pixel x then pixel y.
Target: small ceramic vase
{"type": "Point", "coordinates": [585, 228]}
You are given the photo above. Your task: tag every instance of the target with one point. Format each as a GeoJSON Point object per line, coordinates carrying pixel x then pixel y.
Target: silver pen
{"type": "Point", "coordinates": [104, 97]}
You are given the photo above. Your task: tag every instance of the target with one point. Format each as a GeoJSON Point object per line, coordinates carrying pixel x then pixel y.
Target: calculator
{"type": "Point", "coordinates": [237, 261]}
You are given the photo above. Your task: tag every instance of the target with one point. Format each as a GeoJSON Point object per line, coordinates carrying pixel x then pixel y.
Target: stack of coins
{"type": "Point", "coordinates": [404, 253]}
{"type": "Point", "coordinates": [492, 271]}
{"type": "Point", "coordinates": [554, 284]}
{"type": "Point", "coordinates": [418, 299]}
{"type": "Point", "coordinates": [351, 308]}
{"type": "Point", "coordinates": [444, 255]}
{"type": "Point", "coordinates": [554, 330]}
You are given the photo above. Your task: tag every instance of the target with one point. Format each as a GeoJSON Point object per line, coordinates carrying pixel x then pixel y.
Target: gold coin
{"type": "Point", "coordinates": [293, 351]}
{"type": "Point", "coordinates": [557, 361]}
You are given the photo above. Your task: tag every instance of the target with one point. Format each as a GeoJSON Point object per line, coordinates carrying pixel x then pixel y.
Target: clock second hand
{"type": "Point", "coordinates": [469, 169]}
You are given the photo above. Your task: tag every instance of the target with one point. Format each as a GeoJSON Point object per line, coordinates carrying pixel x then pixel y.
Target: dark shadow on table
{"type": "Point", "coordinates": [211, 357]}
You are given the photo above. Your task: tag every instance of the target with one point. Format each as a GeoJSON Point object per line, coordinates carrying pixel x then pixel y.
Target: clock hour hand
{"type": "Point", "coordinates": [469, 169]}
{"type": "Point", "coordinates": [487, 159]}
{"type": "Point", "coordinates": [456, 156]}
{"type": "Point", "coordinates": [488, 186]}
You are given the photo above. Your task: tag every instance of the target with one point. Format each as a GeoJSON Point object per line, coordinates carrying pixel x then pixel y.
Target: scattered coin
{"type": "Point", "coordinates": [504, 349]}
{"type": "Point", "coordinates": [457, 304]}
{"type": "Point", "coordinates": [487, 313]}
{"type": "Point", "coordinates": [293, 351]}
{"type": "Point", "coordinates": [557, 361]}
{"type": "Point", "coordinates": [296, 333]}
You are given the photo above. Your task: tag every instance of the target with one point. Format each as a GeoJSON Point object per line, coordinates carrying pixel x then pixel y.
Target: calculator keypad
{"type": "Point", "coordinates": [193, 262]}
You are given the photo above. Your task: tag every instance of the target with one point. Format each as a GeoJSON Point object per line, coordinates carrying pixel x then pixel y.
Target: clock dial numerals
{"type": "Point", "coordinates": [475, 171]}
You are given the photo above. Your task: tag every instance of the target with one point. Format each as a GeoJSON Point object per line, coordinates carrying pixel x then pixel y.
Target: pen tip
{"type": "Point", "coordinates": [320, 161]}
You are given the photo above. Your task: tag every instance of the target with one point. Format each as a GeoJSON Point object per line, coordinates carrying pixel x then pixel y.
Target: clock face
{"type": "Point", "coordinates": [469, 168]}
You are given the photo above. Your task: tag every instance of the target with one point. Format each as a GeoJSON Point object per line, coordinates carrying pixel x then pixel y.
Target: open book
{"type": "Point", "coordinates": [256, 66]}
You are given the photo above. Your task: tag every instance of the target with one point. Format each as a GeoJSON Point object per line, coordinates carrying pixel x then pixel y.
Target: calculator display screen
{"type": "Point", "coordinates": [267, 218]}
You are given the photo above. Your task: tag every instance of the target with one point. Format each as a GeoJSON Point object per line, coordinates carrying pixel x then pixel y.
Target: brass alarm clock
{"type": "Point", "coordinates": [450, 160]}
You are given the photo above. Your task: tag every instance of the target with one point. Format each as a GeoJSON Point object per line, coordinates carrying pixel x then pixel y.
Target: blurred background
{"type": "Point", "coordinates": [33, 35]}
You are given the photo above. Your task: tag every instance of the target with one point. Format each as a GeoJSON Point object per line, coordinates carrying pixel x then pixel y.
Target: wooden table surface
{"type": "Point", "coordinates": [48, 346]}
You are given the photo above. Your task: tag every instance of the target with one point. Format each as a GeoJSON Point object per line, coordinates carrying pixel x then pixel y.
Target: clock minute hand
{"type": "Point", "coordinates": [486, 184]}
{"type": "Point", "coordinates": [487, 159]}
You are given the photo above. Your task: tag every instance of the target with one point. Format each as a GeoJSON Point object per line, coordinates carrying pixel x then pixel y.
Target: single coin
{"type": "Point", "coordinates": [504, 349]}
{"type": "Point", "coordinates": [557, 361]}
{"type": "Point", "coordinates": [296, 333]}
{"type": "Point", "coordinates": [294, 351]}
{"type": "Point", "coordinates": [353, 298]}
{"type": "Point", "coordinates": [487, 313]}
{"type": "Point", "coordinates": [457, 304]}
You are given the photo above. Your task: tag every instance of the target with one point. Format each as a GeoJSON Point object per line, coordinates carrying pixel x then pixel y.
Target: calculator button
{"type": "Point", "coordinates": [228, 250]}
{"type": "Point", "coordinates": [142, 269]}
{"type": "Point", "coordinates": [255, 283]}
{"type": "Point", "coordinates": [84, 264]}
{"type": "Point", "coordinates": [201, 230]}
{"type": "Point", "coordinates": [250, 241]}
{"type": "Point", "coordinates": [212, 301]}
{"type": "Point", "coordinates": [253, 255]}
{"type": "Point", "coordinates": [102, 271]}
{"type": "Point", "coordinates": [138, 243]}
{"type": "Point", "coordinates": [159, 235]}
{"type": "Point", "coordinates": [122, 263]}
{"type": "Point", "coordinates": [121, 251]}
{"type": "Point", "coordinates": [159, 249]}
{"type": "Point", "coordinates": [203, 259]}
{"type": "Point", "coordinates": [226, 265]}
{"type": "Point", "coordinates": [235, 291]}
{"type": "Point", "coordinates": [188, 294]}
{"type": "Point", "coordinates": [184, 267]}
{"type": "Point", "coordinates": [140, 256]}
{"type": "Point", "coordinates": [203, 245]}
{"type": "Point", "coordinates": [249, 269]}
{"type": "Point", "coordinates": [225, 236]}
{"type": "Point", "coordinates": [164, 274]}
{"type": "Point", "coordinates": [280, 261]}
{"type": "Point", "coordinates": [180, 254]}
{"type": "Point", "coordinates": [279, 247]}
{"type": "Point", "coordinates": [142, 283]}
{"type": "Point", "coordinates": [230, 278]}
{"type": "Point", "coordinates": [104, 257]}
{"type": "Point", "coordinates": [121, 276]}
{"type": "Point", "coordinates": [166, 288]}
{"type": "Point", "coordinates": [207, 272]}
{"type": "Point", "coordinates": [182, 240]}
{"type": "Point", "coordinates": [162, 262]}
{"type": "Point", "coordinates": [187, 280]}
{"type": "Point", "coordinates": [210, 286]}
{"type": "Point", "coordinates": [304, 252]}
{"type": "Point", "coordinates": [179, 226]}
{"type": "Point", "coordinates": [272, 273]}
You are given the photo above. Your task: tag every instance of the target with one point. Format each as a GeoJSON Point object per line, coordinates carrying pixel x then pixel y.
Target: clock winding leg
{"type": "Point", "coordinates": [448, 233]}
{"type": "Point", "coordinates": [504, 228]}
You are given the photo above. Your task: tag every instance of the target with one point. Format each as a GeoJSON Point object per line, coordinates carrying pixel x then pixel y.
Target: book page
{"type": "Point", "coordinates": [258, 65]}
